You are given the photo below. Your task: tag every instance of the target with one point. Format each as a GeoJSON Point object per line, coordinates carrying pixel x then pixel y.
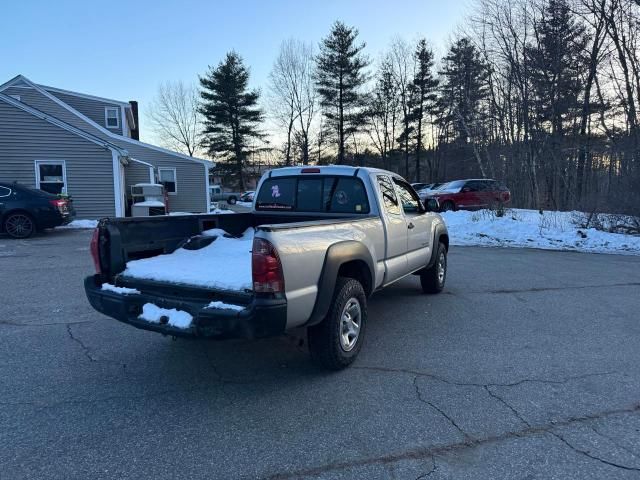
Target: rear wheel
{"type": "Point", "coordinates": [433, 279]}
{"type": "Point", "coordinates": [336, 341]}
{"type": "Point", "coordinates": [19, 225]}
{"type": "Point", "coordinates": [232, 200]}
{"type": "Point", "coordinates": [448, 206]}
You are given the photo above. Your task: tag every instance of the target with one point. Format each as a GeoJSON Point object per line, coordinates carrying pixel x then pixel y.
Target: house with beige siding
{"type": "Point", "coordinates": [88, 147]}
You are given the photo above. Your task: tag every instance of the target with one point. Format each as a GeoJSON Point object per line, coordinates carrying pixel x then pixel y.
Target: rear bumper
{"type": "Point", "coordinates": [262, 318]}
{"type": "Point", "coordinates": [55, 219]}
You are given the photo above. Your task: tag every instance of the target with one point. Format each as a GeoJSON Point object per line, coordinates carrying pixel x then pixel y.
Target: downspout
{"type": "Point", "coordinates": [118, 194]}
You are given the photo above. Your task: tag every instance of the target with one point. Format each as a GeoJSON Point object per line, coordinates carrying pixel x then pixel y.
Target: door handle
{"type": "Point", "coordinates": [410, 226]}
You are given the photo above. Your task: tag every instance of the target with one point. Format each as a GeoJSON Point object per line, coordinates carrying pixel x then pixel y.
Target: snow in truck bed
{"type": "Point", "coordinates": [224, 264]}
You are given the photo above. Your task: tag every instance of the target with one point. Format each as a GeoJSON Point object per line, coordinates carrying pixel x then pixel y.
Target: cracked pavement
{"type": "Point", "coordinates": [525, 367]}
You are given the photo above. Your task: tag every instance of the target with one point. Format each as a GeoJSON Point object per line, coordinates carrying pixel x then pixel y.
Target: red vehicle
{"type": "Point", "coordinates": [471, 194]}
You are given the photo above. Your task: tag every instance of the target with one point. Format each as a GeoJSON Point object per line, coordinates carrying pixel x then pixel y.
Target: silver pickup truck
{"type": "Point", "coordinates": [217, 195]}
{"type": "Point", "coordinates": [324, 240]}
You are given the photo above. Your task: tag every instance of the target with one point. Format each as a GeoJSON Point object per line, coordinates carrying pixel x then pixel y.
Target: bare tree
{"type": "Point", "coordinates": [293, 95]}
{"type": "Point", "coordinates": [383, 111]}
{"type": "Point", "coordinates": [175, 118]}
{"type": "Point", "coordinates": [402, 60]}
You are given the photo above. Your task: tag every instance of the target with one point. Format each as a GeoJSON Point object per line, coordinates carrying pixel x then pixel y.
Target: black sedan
{"type": "Point", "coordinates": [24, 210]}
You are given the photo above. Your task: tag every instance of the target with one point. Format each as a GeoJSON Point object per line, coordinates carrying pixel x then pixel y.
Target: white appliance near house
{"type": "Point", "coordinates": [148, 200]}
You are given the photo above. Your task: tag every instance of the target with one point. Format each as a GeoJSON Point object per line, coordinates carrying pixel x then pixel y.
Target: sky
{"type": "Point", "coordinates": [125, 49]}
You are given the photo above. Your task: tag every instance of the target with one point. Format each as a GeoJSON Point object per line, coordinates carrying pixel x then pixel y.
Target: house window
{"type": "Point", "coordinates": [51, 176]}
{"type": "Point", "coordinates": [111, 117]}
{"type": "Point", "coordinates": [168, 179]}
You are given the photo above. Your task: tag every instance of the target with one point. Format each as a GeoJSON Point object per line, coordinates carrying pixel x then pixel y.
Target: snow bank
{"type": "Point", "coordinates": [81, 224]}
{"type": "Point", "coordinates": [225, 306]}
{"type": "Point", "coordinates": [530, 229]}
{"type": "Point", "coordinates": [224, 264]}
{"type": "Point", "coordinates": [177, 318]}
{"type": "Point", "coordinates": [121, 290]}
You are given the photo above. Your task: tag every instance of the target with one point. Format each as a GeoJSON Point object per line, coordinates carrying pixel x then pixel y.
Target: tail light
{"type": "Point", "coordinates": [59, 203]}
{"type": "Point", "coordinates": [94, 247]}
{"type": "Point", "coordinates": [266, 268]}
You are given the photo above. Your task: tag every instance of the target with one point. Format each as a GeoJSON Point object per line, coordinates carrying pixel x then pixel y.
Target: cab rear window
{"type": "Point", "coordinates": [314, 194]}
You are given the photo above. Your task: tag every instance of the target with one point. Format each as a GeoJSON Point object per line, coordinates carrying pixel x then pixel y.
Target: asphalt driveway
{"type": "Point", "coordinates": [527, 366]}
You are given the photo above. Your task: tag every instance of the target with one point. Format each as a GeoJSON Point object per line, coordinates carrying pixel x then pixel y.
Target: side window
{"type": "Point", "coordinates": [4, 192]}
{"type": "Point", "coordinates": [388, 193]}
{"type": "Point", "coordinates": [471, 186]}
{"type": "Point", "coordinates": [168, 179]}
{"type": "Point", "coordinates": [51, 176]}
{"type": "Point", "coordinates": [410, 201]}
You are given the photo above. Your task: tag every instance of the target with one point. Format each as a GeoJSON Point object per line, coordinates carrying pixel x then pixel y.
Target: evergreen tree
{"type": "Point", "coordinates": [463, 92]}
{"type": "Point", "coordinates": [557, 63]}
{"type": "Point", "coordinates": [424, 96]}
{"type": "Point", "coordinates": [231, 114]}
{"type": "Point", "coordinates": [464, 87]}
{"type": "Point", "coordinates": [339, 77]}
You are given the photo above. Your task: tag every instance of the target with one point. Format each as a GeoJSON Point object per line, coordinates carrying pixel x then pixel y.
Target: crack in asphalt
{"type": "Point", "coordinates": [590, 455]}
{"type": "Point", "coordinates": [465, 435]}
{"type": "Point", "coordinates": [507, 404]}
{"type": "Point", "coordinates": [423, 453]}
{"type": "Point", "coordinates": [85, 349]}
{"type": "Point", "coordinates": [473, 384]}
{"type": "Point", "coordinates": [433, 469]}
{"type": "Point", "coordinates": [551, 289]}
{"type": "Point", "coordinates": [16, 324]}
{"type": "Point", "coordinates": [615, 442]}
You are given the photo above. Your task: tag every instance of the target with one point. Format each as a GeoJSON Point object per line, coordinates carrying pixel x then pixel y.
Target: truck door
{"type": "Point", "coordinates": [395, 227]}
{"type": "Point", "coordinates": [418, 224]}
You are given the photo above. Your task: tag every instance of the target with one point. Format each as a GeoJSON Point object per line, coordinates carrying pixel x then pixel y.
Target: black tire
{"type": "Point", "coordinates": [448, 206]}
{"type": "Point", "coordinates": [327, 339]}
{"type": "Point", "coordinates": [19, 225]}
{"type": "Point", "coordinates": [232, 200]}
{"type": "Point", "coordinates": [430, 278]}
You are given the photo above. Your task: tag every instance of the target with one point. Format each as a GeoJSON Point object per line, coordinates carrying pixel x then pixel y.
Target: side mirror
{"type": "Point", "coordinates": [431, 205]}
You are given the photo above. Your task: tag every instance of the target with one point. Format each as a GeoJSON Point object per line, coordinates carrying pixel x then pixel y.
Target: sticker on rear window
{"type": "Point", "coordinates": [275, 191]}
{"type": "Point", "coordinates": [341, 197]}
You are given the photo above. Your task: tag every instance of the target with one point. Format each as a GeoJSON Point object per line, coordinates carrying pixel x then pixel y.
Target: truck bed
{"type": "Point", "coordinates": [153, 245]}
{"type": "Point", "coordinates": [224, 264]}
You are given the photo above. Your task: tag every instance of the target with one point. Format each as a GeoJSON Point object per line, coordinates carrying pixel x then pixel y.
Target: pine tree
{"type": "Point", "coordinates": [557, 64]}
{"type": "Point", "coordinates": [340, 76]}
{"type": "Point", "coordinates": [423, 86]}
{"type": "Point", "coordinates": [463, 90]}
{"type": "Point", "coordinates": [464, 86]}
{"type": "Point", "coordinates": [231, 114]}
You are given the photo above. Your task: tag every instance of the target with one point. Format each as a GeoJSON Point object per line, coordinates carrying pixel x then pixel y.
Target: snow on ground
{"type": "Point", "coordinates": [81, 224]}
{"type": "Point", "coordinates": [245, 204]}
{"type": "Point", "coordinates": [225, 306]}
{"type": "Point", "coordinates": [224, 264]}
{"type": "Point", "coordinates": [121, 290]}
{"type": "Point", "coordinates": [177, 318]}
{"type": "Point", "coordinates": [530, 229]}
